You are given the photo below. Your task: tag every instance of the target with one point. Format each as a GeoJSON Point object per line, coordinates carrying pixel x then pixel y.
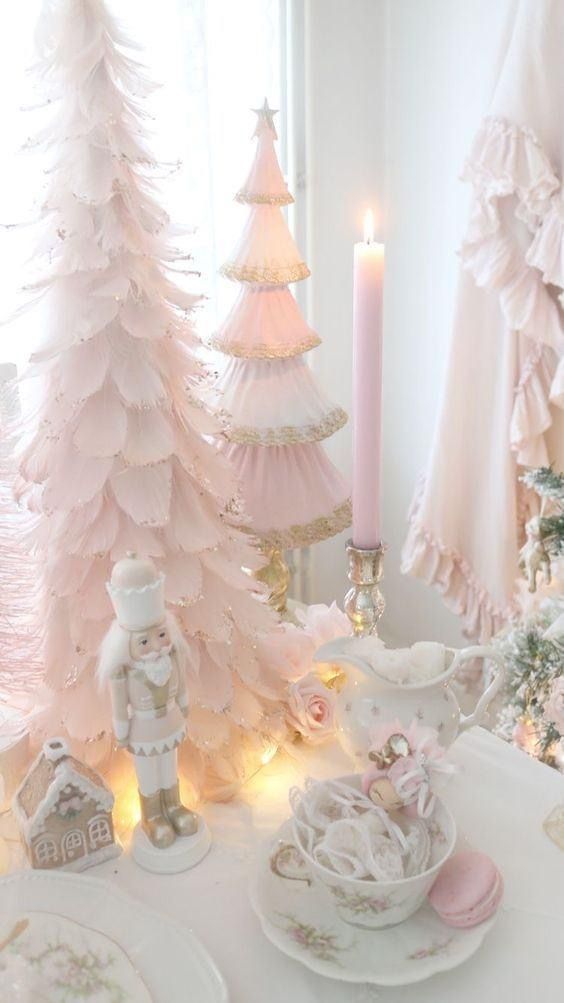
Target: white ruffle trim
{"type": "Point", "coordinates": [508, 160]}
{"type": "Point", "coordinates": [424, 556]}
{"type": "Point", "coordinates": [546, 252]}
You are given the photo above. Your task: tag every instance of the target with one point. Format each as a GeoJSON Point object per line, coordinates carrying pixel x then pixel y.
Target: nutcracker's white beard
{"type": "Point", "coordinates": [115, 655]}
{"type": "Point", "coordinates": [157, 665]}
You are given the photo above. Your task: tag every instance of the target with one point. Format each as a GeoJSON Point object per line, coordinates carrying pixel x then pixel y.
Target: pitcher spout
{"type": "Point", "coordinates": [345, 651]}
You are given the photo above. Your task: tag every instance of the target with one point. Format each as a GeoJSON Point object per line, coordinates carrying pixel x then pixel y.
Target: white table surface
{"type": "Point", "coordinates": [500, 799]}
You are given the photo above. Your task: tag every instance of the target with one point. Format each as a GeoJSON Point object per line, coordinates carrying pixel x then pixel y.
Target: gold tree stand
{"type": "Point", "coordinates": [276, 576]}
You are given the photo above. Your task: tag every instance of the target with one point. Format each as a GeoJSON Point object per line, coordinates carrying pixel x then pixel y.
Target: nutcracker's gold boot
{"type": "Point", "coordinates": [154, 823]}
{"type": "Point", "coordinates": [183, 821]}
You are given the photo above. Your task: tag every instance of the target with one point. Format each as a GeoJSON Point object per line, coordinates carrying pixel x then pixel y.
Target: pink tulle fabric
{"type": "Point", "coordinates": [290, 492]}
{"type": "Point", "coordinates": [119, 456]}
{"type": "Point", "coordinates": [265, 179]}
{"type": "Point", "coordinates": [266, 251]}
{"type": "Point", "coordinates": [264, 322]}
{"type": "Point", "coordinates": [467, 518]}
{"type": "Point", "coordinates": [278, 401]}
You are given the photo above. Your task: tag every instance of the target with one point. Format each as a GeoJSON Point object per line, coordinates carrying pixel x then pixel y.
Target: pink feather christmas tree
{"type": "Point", "coordinates": [278, 416]}
{"type": "Point", "coordinates": [20, 662]}
{"type": "Point", "coordinates": [117, 460]}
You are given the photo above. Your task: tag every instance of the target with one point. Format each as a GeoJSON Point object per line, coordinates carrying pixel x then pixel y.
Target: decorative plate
{"type": "Point", "coordinates": [68, 937]}
{"type": "Point", "coordinates": [300, 919]}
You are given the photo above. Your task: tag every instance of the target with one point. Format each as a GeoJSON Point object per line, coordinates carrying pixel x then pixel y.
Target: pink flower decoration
{"type": "Point", "coordinates": [423, 742]}
{"type": "Point", "coordinates": [324, 623]}
{"type": "Point", "coordinates": [290, 650]}
{"type": "Point", "coordinates": [381, 732]}
{"type": "Point", "coordinates": [397, 771]}
{"type": "Point", "coordinates": [418, 736]}
{"type": "Point", "coordinates": [554, 706]}
{"type": "Point", "coordinates": [526, 736]}
{"type": "Point", "coordinates": [311, 709]}
{"type": "Point", "coordinates": [372, 773]}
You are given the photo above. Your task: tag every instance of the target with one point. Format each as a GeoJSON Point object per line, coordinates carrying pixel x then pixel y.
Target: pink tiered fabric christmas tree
{"type": "Point", "coordinates": [293, 494]}
{"type": "Point", "coordinates": [120, 457]}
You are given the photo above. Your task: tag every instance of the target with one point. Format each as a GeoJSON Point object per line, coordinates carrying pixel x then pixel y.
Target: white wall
{"type": "Point", "coordinates": [395, 91]}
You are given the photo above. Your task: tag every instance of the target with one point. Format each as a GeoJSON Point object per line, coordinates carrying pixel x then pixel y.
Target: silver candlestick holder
{"type": "Point", "coordinates": [364, 603]}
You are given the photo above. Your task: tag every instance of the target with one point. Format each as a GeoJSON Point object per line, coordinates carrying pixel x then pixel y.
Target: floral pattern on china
{"type": "Point", "coordinates": [404, 684]}
{"type": "Point", "coordinates": [376, 869]}
{"type": "Point", "coordinates": [44, 956]}
{"type": "Point", "coordinates": [303, 920]}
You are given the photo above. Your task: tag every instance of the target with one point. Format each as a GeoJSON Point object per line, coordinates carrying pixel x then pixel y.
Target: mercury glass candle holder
{"type": "Point", "coordinates": [364, 602]}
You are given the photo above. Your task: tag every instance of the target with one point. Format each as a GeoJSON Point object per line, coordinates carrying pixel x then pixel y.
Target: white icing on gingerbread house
{"type": "Point", "coordinates": [64, 811]}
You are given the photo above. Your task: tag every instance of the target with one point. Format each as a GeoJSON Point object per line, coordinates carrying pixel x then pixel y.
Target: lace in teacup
{"type": "Point", "coordinates": [322, 802]}
{"type": "Point", "coordinates": [343, 830]}
{"type": "Point", "coordinates": [360, 848]}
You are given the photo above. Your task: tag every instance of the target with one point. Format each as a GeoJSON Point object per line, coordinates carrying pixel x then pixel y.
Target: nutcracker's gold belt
{"type": "Point", "coordinates": [153, 712]}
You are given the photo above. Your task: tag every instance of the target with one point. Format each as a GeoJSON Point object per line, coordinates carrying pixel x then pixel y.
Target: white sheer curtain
{"type": "Point", "coordinates": [215, 59]}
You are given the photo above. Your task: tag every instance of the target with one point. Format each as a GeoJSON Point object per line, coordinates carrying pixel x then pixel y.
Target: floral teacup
{"type": "Point", "coordinates": [365, 902]}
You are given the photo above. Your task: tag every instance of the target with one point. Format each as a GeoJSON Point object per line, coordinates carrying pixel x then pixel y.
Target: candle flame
{"type": "Point", "coordinates": [369, 226]}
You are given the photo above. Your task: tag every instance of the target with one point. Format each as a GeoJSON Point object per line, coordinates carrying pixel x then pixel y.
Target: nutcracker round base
{"type": "Point", "coordinates": [185, 852]}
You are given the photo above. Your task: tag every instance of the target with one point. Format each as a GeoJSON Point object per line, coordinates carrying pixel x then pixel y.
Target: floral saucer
{"type": "Point", "coordinates": [298, 917]}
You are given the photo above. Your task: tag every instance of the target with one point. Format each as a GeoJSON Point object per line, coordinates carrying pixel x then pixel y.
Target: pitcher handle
{"type": "Point", "coordinates": [481, 651]}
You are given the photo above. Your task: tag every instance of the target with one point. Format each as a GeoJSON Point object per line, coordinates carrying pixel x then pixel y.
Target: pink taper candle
{"type": "Point", "coordinates": [367, 387]}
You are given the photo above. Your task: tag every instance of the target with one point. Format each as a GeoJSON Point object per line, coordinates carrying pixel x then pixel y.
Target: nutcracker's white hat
{"type": "Point", "coordinates": [137, 593]}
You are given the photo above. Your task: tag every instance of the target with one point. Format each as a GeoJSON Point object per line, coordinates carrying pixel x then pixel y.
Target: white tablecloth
{"type": "Point", "coordinates": [500, 800]}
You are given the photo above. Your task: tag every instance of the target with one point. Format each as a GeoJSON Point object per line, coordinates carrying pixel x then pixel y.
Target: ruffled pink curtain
{"type": "Point", "coordinates": [505, 375]}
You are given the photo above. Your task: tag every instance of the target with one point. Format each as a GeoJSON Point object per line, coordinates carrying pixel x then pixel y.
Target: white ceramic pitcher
{"type": "Point", "coordinates": [367, 698]}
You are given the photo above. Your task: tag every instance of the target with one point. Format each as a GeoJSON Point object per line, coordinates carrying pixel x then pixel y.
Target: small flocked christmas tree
{"type": "Point", "coordinates": [534, 647]}
{"type": "Point", "coordinates": [545, 532]}
{"type": "Point", "coordinates": [120, 458]}
{"type": "Point", "coordinates": [293, 494]}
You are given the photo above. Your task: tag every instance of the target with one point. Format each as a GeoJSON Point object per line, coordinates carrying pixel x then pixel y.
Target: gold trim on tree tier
{"type": "Point", "coordinates": [266, 276]}
{"type": "Point", "coordinates": [239, 350]}
{"type": "Point", "coordinates": [248, 198]}
{"type": "Point", "coordinates": [312, 532]}
{"type": "Point", "coordinates": [289, 435]}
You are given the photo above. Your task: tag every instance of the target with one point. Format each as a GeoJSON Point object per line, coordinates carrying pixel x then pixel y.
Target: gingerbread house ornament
{"type": "Point", "coordinates": [64, 811]}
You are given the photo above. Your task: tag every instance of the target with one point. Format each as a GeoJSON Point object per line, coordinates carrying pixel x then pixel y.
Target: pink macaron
{"type": "Point", "coordinates": [468, 890]}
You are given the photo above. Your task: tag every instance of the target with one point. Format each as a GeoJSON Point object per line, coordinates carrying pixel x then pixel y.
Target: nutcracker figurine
{"type": "Point", "coordinates": [143, 660]}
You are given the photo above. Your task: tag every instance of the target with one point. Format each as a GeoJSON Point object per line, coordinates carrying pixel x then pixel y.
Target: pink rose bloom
{"type": "Point", "coordinates": [554, 706]}
{"type": "Point", "coordinates": [311, 709]}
